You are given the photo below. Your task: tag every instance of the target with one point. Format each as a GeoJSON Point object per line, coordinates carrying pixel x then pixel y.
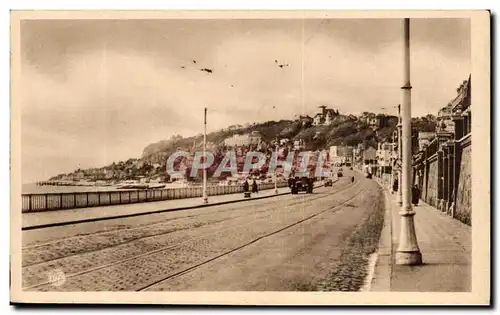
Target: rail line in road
{"type": "Point", "coordinates": [150, 236]}
{"type": "Point", "coordinates": [179, 273]}
{"type": "Point", "coordinates": [163, 249]}
{"type": "Point", "coordinates": [303, 199]}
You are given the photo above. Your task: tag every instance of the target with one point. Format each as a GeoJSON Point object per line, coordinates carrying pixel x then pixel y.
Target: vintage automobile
{"type": "Point", "coordinates": [340, 174]}
{"type": "Point", "coordinates": [301, 184]}
{"type": "Point", "coordinates": [328, 182]}
{"type": "Point", "coordinates": [368, 171]}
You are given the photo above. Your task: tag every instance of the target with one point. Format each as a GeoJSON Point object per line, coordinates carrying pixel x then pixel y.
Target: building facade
{"type": "Point", "coordinates": [370, 156]}
{"type": "Point", "coordinates": [443, 167]}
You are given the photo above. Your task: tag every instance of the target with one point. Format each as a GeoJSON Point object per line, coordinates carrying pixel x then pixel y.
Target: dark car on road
{"type": "Point", "coordinates": [301, 184]}
{"type": "Point", "coordinates": [340, 174]}
{"type": "Point", "coordinates": [328, 182]}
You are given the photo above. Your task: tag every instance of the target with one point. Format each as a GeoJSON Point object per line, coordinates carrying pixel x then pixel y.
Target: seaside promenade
{"type": "Point", "coordinates": [67, 216]}
{"type": "Point", "coordinates": [445, 244]}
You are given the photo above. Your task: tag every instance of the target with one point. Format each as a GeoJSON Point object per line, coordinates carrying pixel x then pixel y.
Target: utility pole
{"type": "Point", "coordinates": [205, 196]}
{"type": "Point", "coordinates": [408, 252]}
{"type": "Point", "coordinates": [275, 169]}
{"type": "Point", "coordinates": [400, 157]}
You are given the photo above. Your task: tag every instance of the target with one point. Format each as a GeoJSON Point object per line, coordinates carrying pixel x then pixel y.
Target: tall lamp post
{"type": "Point", "coordinates": [205, 196]}
{"type": "Point", "coordinates": [408, 252]}
{"type": "Point", "coordinates": [400, 157]}
{"type": "Point", "coordinates": [275, 169]}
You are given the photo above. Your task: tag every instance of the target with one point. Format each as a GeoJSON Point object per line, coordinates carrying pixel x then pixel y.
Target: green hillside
{"type": "Point", "coordinates": [343, 130]}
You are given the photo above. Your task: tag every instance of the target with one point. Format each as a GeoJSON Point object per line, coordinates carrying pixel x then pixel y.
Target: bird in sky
{"type": "Point", "coordinates": [280, 65]}
{"type": "Point", "coordinates": [194, 61]}
{"type": "Point", "coordinates": [206, 70]}
{"type": "Point", "coordinates": [183, 67]}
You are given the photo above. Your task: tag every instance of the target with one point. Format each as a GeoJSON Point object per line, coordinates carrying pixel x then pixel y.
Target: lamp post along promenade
{"type": "Point", "coordinates": [275, 176]}
{"type": "Point", "coordinates": [400, 157]}
{"type": "Point", "coordinates": [205, 196]}
{"type": "Point", "coordinates": [408, 252]}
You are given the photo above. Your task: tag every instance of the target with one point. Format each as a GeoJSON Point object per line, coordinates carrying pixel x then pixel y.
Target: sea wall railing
{"type": "Point", "coordinates": [59, 201]}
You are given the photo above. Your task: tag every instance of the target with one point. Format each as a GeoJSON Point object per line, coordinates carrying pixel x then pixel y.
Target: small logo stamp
{"type": "Point", "coordinates": [57, 277]}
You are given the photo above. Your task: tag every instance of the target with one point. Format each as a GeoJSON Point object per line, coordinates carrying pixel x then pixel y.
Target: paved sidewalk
{"type": "Point", "coordinates": [70, 215]}
{"type": "Point", "coordinates": [446, 247]}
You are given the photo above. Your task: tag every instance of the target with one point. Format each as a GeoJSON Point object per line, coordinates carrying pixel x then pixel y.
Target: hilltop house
{"type": "Point", "coordinates": [369, 119]}
{"type": "Point", "coordinates": [306, 120]}
{"type": "Point", "coordinates": [238, 140]}
{"type": "Point", "coordinates": [373, 122]}
{"type": "Point", "coordinates": [325, 117]}
{"type": "Point", "coordinates": [318, 119]}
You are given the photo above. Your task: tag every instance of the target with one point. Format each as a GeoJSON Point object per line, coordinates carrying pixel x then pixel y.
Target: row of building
{"type": "Point", "coordinates": [328, 115]}
{"type": "Point", "coordinates": [362, 155]}
{"type": "Point", "coordinates": [442, 166]}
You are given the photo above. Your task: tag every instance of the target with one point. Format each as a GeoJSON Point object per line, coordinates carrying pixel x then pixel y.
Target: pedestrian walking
{"type": "Point", "coordinates": [415, 194]}
{"type": "Point", "coordinates": [451, 209]}
{"type": "Point", "coordinates": [395, 185]}
{"type": "Point", "coordinates": [246, 186]}
{"type": "Point", "coordinates": [254, 187]}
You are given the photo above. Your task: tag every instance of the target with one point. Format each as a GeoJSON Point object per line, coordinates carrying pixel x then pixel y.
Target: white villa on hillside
{"type": "Point", "coordinates": [238, 140]}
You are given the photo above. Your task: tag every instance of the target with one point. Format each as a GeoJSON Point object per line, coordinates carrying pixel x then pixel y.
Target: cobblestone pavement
{"type": "Point", "coordinates": [282, 243]}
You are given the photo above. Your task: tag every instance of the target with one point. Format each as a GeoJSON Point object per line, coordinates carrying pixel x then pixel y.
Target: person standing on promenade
{"type": "Point", "coordinates": [254, 187]}
{"type": "Point", "coordinates": [415, 195]}
{"type": "Point", "coordinates": [395, 185]}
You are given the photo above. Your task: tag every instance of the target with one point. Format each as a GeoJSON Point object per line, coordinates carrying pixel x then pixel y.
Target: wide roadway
{"type": "Point", "coordinates": [283, 243]}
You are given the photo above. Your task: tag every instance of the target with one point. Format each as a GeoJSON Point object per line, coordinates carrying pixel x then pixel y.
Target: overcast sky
{"type": "Point", "coordinates": [99, 91]}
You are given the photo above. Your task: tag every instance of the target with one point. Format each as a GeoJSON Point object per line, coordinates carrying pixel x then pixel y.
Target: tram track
{"type": "Point", "coordinates": [189, 269]}
{"type": "Point", "coordinates": [303, 199]}
{"type": "Point", "coordinates": [150, 253]}
{"type": "Point", "coordinates": [237, 207]}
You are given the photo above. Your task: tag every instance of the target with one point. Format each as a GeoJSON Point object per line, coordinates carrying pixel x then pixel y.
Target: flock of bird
{"type": "Point", "coordinates": [208, 70]}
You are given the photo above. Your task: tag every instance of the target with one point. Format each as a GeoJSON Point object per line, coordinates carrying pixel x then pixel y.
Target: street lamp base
{"type": "Point", "coordinates": [408, 252]}
{"type": "Point", "coordinates": [205, 200]}
{"type": "Point", "coordinates": [408, 258]}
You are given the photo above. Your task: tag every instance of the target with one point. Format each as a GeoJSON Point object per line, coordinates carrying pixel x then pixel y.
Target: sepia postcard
{"type": "Point", "coordinates": [250, 157]}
